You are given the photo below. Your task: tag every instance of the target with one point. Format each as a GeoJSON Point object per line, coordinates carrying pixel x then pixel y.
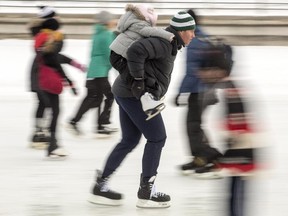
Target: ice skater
{"type": "Point", "coordinates": [150, 61]}
{"type": "Point", "coordinates": [97, 82]}
{"type": "Point", "coordinates": [40, 137]}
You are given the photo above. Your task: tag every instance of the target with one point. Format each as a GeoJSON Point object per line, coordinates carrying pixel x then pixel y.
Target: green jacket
{"type": "Point", "coordinates": [99, 65]}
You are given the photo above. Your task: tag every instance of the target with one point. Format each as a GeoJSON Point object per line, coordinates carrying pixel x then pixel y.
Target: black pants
{"type": "Point", "coordinates": [43, 104]}
{"type": "Point", "coordinates": [198, 141]}
{"type": "Point", "coordinates": [133, 125]}
{"type": "Point", "coordinates": [96, 90]}
{"type": "Point", "coordinates": [237, 196]}
{"type": "Point", "coordinates": [53, 102]}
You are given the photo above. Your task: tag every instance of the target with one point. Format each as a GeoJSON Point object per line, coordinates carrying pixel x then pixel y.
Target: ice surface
{"type": "Point", "coordinates": [30, 185]}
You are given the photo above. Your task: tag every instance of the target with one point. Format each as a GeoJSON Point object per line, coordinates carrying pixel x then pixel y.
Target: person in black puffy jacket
{"type": "Point", "coordinates": [150, 62]}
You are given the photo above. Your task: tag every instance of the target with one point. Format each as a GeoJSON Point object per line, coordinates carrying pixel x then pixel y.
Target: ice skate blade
{"type": "Point", "coordinates": [151, 113]}
{"type": "Point", "coordinates": [209, 175]}
{"type": "Point", "coordinates": [187, 172]}
{"type": "Point", "coordinates": [39, 145]}
{"type": "Point", "coordinates": [57, 154]}
{"type": "Point", "coordinates": [142, 203]}
{"type": "Point", "coordinates": [100, 200]}
{"type": "Point", "coordinates": [102, 136]}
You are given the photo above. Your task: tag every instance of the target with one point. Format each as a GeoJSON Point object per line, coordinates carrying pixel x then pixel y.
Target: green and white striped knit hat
{"type": "Point", "coordinates": [182, 21]}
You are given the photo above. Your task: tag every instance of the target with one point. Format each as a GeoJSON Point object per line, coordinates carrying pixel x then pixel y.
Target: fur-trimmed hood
{"type": "Point", "coordinates": [135, 13]}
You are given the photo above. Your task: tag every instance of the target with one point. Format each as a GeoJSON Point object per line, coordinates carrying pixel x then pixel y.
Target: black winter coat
{"type": "Point", "coordinates": [152, 59]}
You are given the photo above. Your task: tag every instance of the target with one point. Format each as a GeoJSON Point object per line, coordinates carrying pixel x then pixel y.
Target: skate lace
{"type": "Point", "coordinates": [105, 188]}
{"type": "Point", "coordinates": [154, 193]}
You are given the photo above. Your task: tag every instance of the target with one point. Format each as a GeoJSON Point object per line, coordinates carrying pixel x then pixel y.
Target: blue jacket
{"type": "Point", "coordinates": [191, 82]}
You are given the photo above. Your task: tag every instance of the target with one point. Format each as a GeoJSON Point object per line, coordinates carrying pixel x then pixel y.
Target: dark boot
{"type": "Point", "coordinates": [54, 151]}
{"type": "Point", "coordinates": [101, 194]}
{"type": "Point", "coordinates": [149, 198]}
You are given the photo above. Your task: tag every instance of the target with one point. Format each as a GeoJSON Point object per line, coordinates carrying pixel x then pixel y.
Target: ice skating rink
{"type": "Point", "coordinates": [31, 185]}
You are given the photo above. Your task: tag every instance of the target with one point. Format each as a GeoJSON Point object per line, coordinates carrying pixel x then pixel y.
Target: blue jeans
{"type": "Point", "coordinates": [133, 125]}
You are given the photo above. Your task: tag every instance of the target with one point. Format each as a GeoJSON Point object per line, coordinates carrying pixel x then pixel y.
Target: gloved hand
{"type": "Point", "coordinates": [78, 65]}
{"type": "Point", "coordinates": [176, 102]}
{"type": "Point", "coordinates": [138, 87]}
{"type": "Point", "coordinates": [71, 84]}
{"type": "Point", "coordinates": [73, 89]}
{"type": "Point", "coordinates": [181, 99]}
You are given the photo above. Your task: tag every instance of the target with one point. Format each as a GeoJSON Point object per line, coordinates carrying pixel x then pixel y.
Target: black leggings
{"type": "Point", "coordinates": [53, 102]}
{"type": "Point", "coordinates": [43, 103]}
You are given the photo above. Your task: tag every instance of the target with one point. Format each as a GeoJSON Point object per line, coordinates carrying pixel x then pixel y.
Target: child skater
{"type": "Point", "coordinates": [139, 21]}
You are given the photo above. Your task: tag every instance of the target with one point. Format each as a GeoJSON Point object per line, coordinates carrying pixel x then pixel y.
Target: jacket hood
{"type": "Point", "coordinates": [131, 16]}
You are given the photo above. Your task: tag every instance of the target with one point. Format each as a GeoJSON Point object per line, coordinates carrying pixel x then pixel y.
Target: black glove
{"type": "Point", "coordinates": [176, 102]}
{"type": "Point", "coordinates": [74, 90]}
{"type": "Point", "coordinates": [181, 99]}
{"type": "Point", "coordinates": [71, 84]}
{"type": "Point", "coordinates": [138, 87]}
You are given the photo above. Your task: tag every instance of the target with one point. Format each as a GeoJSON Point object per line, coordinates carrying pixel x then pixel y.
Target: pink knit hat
{"type": "Point", "coordinates": [148, 12]}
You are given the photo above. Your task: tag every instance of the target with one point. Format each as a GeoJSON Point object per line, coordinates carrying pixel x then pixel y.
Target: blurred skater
{"type": "Point", "coordinates": [97, 82]}
{"type": "Point", "coordinates": [199, 95]}
{"type": "Point", "coordinates": [40, 137]}
{"type": "Point", "coordinates": [51, 77]}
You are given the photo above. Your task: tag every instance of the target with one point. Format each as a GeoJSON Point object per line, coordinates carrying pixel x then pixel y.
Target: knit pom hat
{"type": "Point", "coordinates": [148, 12]}
{"type": "Point", "coordinates": [182, 21]}
{"type": "Point", "coordinates": [46, 12]}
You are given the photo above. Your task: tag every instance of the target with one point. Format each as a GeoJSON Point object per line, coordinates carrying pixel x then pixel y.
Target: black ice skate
{"type": "Point", "coordinates": [105, 131]}
{"type": "Point", "coordinates": [149, 198]}
{"type": "Point", "coordinates": [197, 163]}
{"type": "Point", "coordinates": [151, 106]}
{"type": "Point", "coordinates": [40, 141]}
{"type": "Point", "coordinates": [73, 127]}
{"type": "Point", "coordinates": [55, 151]}
{"type": "Point", "coordinates": [102, 195]}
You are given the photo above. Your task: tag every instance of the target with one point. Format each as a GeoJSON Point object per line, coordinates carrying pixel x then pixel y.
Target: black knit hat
{"type": "Point", "coordinates": [46, 12]}
{"type": "Point", "coordinates": [50, 23]}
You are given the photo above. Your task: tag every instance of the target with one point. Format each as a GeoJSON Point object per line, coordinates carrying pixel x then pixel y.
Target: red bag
{"type": "Point", "coordinates": [50, 80]}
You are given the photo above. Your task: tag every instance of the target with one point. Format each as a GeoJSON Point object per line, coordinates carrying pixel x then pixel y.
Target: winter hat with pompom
{"type": "Point", "coordinates": [183, 21]}
{"type": "Point", "coordinates": [46, 12]}
{"type": "Point", "coordinates": [148, 12]}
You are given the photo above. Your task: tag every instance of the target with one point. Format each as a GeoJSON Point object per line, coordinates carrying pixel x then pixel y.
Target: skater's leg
{"type": "Point", "coordinates": [93, 99]}
{"type": "Point", "coordinates": [237, 192]}
{"type": "Point", "coordinates": [130, 138]}
{"type": "Point", "coordinates": [104, 117]}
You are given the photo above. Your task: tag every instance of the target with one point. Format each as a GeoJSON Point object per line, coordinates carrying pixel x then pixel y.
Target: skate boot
{"type": "Point", "coordinates": [197, 163]}
{"type": "Point", "coordinates": [40, 141]}
{"type": "Point", "coordinates": [72, 125]}
{"type": "Point", "coordinates": [209, 171]}
{"type": "Point", "coordinates": [149, 198]}
{"type": "Point", "coordinates": [151, 106]}
{"type": "Point", "coordinates": [111, 128]}
{"type": "Point", "coordinates": [54, 151]}
{"type": "Point", "coordinates": [104, 131]}
{"type": "Point", "coordinates": [102, 195]}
